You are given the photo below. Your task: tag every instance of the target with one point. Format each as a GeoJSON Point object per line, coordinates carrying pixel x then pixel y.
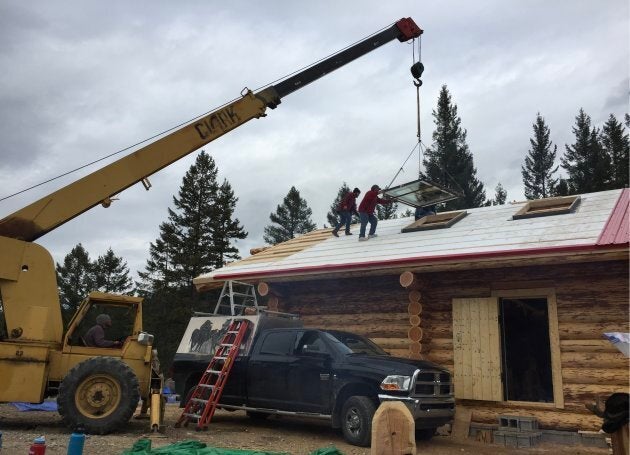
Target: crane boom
{"type": "Point", "coordinates": [55, 209]}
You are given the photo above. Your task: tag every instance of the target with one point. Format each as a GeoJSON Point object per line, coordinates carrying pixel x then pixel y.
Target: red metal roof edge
{"type": "Point", "coordinates": [616, 229]}
{"type": "Point", "coordinates": [414, 261]}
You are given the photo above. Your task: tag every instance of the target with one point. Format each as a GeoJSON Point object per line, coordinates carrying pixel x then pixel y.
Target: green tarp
{"type": "Point", "coordinates": [143, 447]}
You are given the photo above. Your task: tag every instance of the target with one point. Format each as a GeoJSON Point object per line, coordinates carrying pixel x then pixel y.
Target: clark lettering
{"type": "Point", "coordinates": [217, 123]}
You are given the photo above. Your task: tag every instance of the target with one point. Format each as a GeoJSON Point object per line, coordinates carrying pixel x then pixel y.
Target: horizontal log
{"type": "Point", "coordinates": [604, 315]}
{"type": "Point", "coordinates": [441, 330]}
{"type": "Point", "coordinates": [616, 376]}
{"type": "Point", "coordinates": [442, 343]}
{"type": "Point", "coordinates": [364, 318]}
{"type": "Point", "coordinates": [369, 331]}
{"type": "Point", "coordinates": [440, 357]}
{"type": "Point", "coordinates": [398, 352]}
{"type": "Point", "coordinates": [582, 394]}
{"type": "Point", "coordinates": [587, 346]}
{"type": "Point", "coordinates": [342, 304]}
{"type": "Point", "coordinates": [393, 343]}
{"type": "Point", "coordinates": [414, 308]}
{"type": "Point", "coordinates": [593, 360]}
{"type": "Point", "coordinates": [547, 419]}
{"type": "Point", "coordinates": [415, 296]}
{"type": "Point", "coordinates": [589, 331]}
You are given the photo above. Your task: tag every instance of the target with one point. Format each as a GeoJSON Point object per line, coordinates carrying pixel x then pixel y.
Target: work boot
{"type": "Point", "coordinates": [372, 236]}
{"type": "Point", "coordinates": [363, 239]}
{"type": "Point", "coordinates": [348, 233]}
{"type": "Point", "coordinates": [335, 233]}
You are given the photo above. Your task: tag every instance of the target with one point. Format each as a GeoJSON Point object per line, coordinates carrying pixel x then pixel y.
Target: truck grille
{"type": "Point", "coordinates": [432, 384]}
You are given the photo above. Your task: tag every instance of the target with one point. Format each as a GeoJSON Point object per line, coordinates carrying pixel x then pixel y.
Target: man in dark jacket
{"type": "Point", "coordinates": [346, 208]}
{"type": "Point", "coordinates": [366, 212]}
{"type": "Point", "coordinates": [95, 337]}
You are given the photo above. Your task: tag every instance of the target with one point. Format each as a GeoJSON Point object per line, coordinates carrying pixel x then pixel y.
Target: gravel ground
{"type": "Point", "coordinates": [230, 430]}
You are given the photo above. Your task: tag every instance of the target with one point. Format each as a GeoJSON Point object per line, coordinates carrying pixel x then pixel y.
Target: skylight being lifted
{"type": "Point", "coordinates": [420, 193]}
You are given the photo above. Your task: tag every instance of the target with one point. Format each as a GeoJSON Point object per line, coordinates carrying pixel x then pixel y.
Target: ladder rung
{"type": "Point", "coordinates": [198, 400]}
{"type": "Point", "coordinates": [226, 345]}
{"type": "Point", "coordinates": [194, 416]}
{"type": "Point", "coordinates": [220, 357]}
{"type": "Point", "coordinates": [232, 331]}
{"type": "Point", "coordinates": [213, 371]}
{"type": "Point", "coordinates": [207, 386]}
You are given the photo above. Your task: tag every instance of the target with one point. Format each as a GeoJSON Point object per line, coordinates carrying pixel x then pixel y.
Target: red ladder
{"type": "Point", "coordinates": [204, 399]}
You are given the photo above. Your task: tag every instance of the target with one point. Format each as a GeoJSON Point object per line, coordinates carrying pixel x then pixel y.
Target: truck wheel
{"type": "Point", "coordinates": [356, 420]}
{"type": "Point", "coordinates": [425, 434]}
{"type": "Point", "coordinates": [99, 394]}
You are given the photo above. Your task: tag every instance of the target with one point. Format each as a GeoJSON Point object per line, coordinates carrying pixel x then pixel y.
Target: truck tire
{"type": "Point", "coordinates": [99, 394]}
{"type": "Point", "coordinates": [356, 420]}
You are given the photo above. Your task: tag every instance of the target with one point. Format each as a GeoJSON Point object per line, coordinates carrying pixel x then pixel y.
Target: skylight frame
{"type": "Point", "coordinates": [438, 194]}
{"type": "Point", "coordinates": [438, 221]}
{"type": "Point", "coordinates": [547, 207]}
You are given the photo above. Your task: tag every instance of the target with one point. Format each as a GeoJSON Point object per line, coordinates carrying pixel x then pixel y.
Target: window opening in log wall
{"type": "Point", "coordinates": [549, 206]}
{"type": "Point", "coordinates": [438, 221]}
{"type": "Point", "coordinates": [525, 350]}
{"type": "Point", "coordinates": [3, 323]}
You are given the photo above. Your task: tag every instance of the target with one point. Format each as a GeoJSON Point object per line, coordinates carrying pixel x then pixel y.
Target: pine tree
{"type": "Point", "coordinates": [500, 195]}
{"type": "Point", "coordinates": [225, 227]}
{"type": "Point", "coordinates": [539, 168]}
{"type": "Point", "coordinates": [332, 216]}
{"type": "Point", "coordinates": [587, 165]}
{"type": "Point", "coordinates": [616, 145]}
{"type": "Point", "coordinates": [75, 279]}
{"type": "Point", "coordinates": [195, 239]}
{"type": "Point", "coordinates": [387, 211]}
{"type": "Point", "coordinates": [111, 273]}
{"type": "Point", "coordinates": [448, 161]}
{"type": "Point", "coordinates": [292, 217]}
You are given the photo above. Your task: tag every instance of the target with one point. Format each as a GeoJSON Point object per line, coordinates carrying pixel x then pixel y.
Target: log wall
{"type": "Point", "coordinates": [592, 298]}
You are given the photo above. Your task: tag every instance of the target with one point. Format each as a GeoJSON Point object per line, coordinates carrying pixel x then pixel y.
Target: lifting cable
{"type": "Point", "coordinates": [416, 71]}
{"type": "Point", "coordinates": [155, 136]}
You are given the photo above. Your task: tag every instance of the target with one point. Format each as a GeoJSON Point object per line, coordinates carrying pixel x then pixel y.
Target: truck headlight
{"type": "Point", "coordinates": [145, 339]}
{"type": "Point", "coordinates": [395, 382]}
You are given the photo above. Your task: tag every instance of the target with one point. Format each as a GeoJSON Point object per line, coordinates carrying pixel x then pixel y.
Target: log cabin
{"type": "Point", "coordinates": [513, 299]}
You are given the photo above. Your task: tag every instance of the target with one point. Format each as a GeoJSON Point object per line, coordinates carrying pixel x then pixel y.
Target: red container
{"type": "Point", "coordinates": [38, 447]}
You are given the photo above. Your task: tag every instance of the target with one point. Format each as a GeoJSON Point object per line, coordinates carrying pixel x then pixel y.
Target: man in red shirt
{"type": "Point", "coordinates": [346, 208]}
{"type": "Point", "coordinates": [366, 212]}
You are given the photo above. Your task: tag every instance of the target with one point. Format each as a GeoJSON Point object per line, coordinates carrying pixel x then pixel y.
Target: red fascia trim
{"type": "Point", "coordinates": [615, 230]}
{"type": "Point", "coordinates": [414, 261]}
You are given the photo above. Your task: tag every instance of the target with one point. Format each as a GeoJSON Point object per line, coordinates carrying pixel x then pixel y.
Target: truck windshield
{"type": "Point", "coordinates": [349, 343]}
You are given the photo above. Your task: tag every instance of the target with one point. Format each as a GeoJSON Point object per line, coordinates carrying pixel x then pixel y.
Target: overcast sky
{"type": "Point", "coordinates": [83, 79]}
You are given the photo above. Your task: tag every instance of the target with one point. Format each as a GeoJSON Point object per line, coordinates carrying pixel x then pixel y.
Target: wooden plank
{"type": "Point", "coordinates": [475, 348]}
{"type": "Point", "coordinates": [494, 344]}
{"type": "Point", "coordinates": [597, 345]}
{"type": "Point", "coordinates": [554, 340]}
{"type": "Point", "coordinates": [485, 352]}
{"type": "Point", "coordinates": [458, 374]}
{"type": "Point", "coordinates": [466, 350]}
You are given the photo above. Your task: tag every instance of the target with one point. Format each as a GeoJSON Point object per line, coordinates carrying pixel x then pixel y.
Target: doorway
{"type": "Point", "coordinates": [526, 350]}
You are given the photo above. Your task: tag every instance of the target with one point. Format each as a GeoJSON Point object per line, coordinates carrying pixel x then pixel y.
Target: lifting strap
{"type": "Point", "coordinates": [206, 395]}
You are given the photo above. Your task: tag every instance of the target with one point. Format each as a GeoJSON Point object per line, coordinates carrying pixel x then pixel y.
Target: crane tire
{"type": "Point", "coordinates": [99, 394]}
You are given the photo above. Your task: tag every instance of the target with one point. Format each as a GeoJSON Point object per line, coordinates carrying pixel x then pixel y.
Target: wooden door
{"type": "Point", "coordinates": [477, 349]}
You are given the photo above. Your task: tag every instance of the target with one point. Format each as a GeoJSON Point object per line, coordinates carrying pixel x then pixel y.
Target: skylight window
{"type": "Point", "coordinates": [420, 193]}
{"type": "Point", "coordinates": [549, 206]}
{"type": "Point", "coordinates": [438, 221]}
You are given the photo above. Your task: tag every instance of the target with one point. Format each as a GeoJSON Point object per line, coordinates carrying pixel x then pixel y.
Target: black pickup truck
{"type": "Point", "coordinates": [328, 374]}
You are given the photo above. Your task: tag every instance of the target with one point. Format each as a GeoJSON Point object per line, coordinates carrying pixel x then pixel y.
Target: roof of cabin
{"type": "Point", "coordinates": [600, 221]}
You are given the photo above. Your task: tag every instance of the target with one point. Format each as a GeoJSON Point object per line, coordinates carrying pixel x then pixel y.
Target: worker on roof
{"type": "Point", "coordinates": [346, 208]}
{"type": "Point", "coordinates": [366, 212]}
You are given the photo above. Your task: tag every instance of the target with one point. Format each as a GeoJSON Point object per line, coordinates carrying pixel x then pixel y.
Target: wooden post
{"type": "Point", "coordinates": [393, 430]}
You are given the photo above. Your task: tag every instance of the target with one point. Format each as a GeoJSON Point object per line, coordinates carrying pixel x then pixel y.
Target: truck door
{"type": "Point", "coordinates": [268, 369]}
{"type": "Point", "coordinates": [310, 375]}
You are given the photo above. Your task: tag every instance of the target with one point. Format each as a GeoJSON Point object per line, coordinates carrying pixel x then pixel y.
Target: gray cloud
{"type": "Point", "coordinates": [83, 79]}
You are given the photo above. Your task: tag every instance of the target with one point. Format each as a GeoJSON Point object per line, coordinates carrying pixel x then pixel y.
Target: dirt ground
{"type": "Point", "coordinates": [229, 430]}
